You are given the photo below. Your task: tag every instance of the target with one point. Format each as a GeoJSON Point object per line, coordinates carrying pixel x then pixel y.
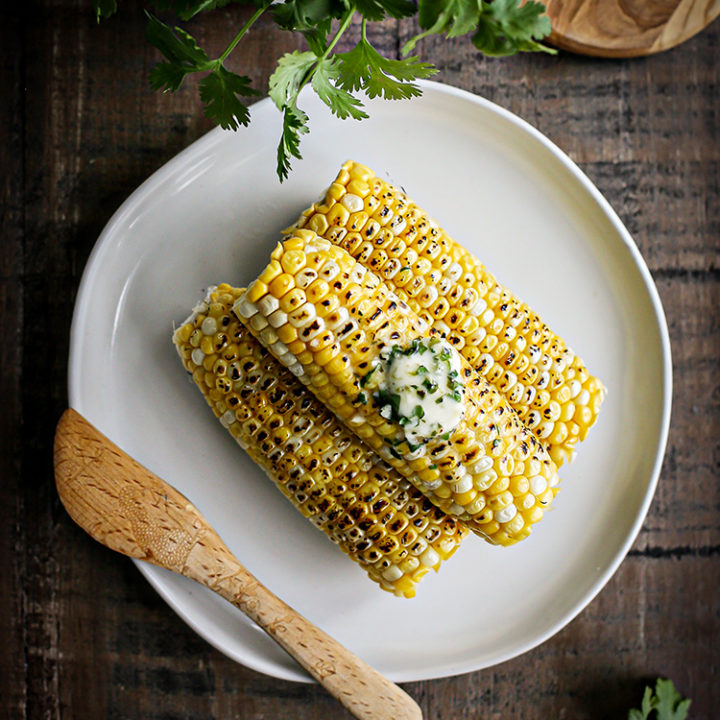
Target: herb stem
{"type": "Point", "coordinates": [242, 32]}
{"type": "Point", "coordinates": [347, 19]}
{"type": "Point", "coordinates": [343, 27]}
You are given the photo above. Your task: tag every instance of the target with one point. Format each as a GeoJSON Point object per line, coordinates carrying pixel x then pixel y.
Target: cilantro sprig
{"type": "Point", "coordinates": [665, 703]}
{"type": "Point", "coordinates": [496, 28]}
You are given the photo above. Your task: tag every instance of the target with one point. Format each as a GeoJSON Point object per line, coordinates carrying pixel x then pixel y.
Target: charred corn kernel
{"type": "Point", "coordinates": [462, 297]}
{"type": "Point", "coordinates": [315, 461]}
{"type": "Point", "coordinates": [471, 466]}
{"type": "Point", "coordinates": [292, 300]}
{"type": "Point", "coordinates": [317, 291]}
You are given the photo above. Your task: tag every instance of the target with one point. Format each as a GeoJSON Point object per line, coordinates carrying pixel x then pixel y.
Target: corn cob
{"type": "Point", "coordinates": [500, 336]}
{"type": "Point", "coordinates": [372, 513]}
{"type": "Point", "coordinates": [330, 321]}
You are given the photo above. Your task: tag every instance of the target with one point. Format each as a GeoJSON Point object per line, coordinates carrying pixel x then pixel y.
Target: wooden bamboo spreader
{"type": "Point", "coordinates": [129, 509]}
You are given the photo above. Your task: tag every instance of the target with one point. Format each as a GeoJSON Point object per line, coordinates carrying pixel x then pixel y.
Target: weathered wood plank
{"type": "Point", "coordinates": [12, 531]}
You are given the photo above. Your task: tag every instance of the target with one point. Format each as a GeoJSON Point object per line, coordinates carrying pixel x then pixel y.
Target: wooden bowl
{"type": "Point", "coordinates": [626, 28]}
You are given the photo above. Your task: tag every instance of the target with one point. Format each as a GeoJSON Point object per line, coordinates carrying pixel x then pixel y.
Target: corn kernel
{"type": "Point", "coordinates": [256, 291]}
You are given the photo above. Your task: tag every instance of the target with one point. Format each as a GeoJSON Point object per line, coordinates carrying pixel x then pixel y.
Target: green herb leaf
{"type": "Point", "coordinates": [363, 68]}
{"type": "Point", "coordinates": [291, 71]}
{"type": "Point", "coordinates": [670, 704]}
{"type": "Point", "coordinates": [182, 55]}
{"type": "Point", "coordinates": [221, 92]}
{"type": "Point", "coordinates": [178, 46]}
{"type": "Point", "coordinates": [499, 27]}
{"type": "Point", "coordinates": [295, 123]}
{"type": "Point", "coordinates": [187, 9]}
{"type": "Point", "coordinates": [377, 9]}
{"type": "Point", "coordinates": [313, 18]}
{"type": "Point", "coordinates": [430, 386]}
{"type": "Point", "coordinates": [167, 76]}
{"type": "Point", "coordinates": [305, 15]}
{"type": "Point", "coordinates": [506, 27]}
{"type": "Point", "coordinates": [665, 703]}
{"type": "Point", "coordinates": [341, 102]}
{"type": "Point", "coordinates": [366, 377]}
{"type": "Point", "coordinates": [104, 8]}
{"type": "Point", "coordinates": [453, 17]}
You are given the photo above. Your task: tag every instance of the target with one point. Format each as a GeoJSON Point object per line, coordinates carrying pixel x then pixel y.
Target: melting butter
{"type": "Point", "coordinates": [423, 389]}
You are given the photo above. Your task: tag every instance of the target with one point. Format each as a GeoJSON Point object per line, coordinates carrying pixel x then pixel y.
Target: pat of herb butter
{"type": "Point", "coordinates": [421, 388]}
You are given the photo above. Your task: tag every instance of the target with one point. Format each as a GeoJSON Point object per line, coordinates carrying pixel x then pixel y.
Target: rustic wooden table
{"type": "Point", "coordinates": [83, 635]}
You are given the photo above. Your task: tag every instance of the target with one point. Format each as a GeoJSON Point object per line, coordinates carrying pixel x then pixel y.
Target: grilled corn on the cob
{"type": "Point", "coordinates": [333, 323]}
{"type": "Point", "coordinates": [499, 335]}
{"type": "Point", "coordinates": [373, 514]}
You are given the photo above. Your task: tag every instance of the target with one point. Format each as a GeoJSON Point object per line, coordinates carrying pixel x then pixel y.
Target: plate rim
{"type": "Point", "coordinates": [203, 144]}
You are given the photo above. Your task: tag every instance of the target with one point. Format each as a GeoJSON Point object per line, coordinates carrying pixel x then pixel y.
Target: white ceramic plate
{"type": "Point", "coordinates": [214, 212]}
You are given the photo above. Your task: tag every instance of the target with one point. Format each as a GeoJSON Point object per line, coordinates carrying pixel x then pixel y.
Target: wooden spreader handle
{"type": "Point", "coordinates": [131, 510]}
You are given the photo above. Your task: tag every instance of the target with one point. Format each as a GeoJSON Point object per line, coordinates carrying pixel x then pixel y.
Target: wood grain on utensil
{"type": "Point", "coordinates": [124, 506]}
{"type": "Point", "coordinates": [627, 28]}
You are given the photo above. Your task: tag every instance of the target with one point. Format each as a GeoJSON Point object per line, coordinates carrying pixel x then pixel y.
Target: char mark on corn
{"type": "Point", "coordinates": [370, 511]}
{"type": "Point", "coordinates": [337, 319]}
{"type": "Point", "coordinates": [499, 335]}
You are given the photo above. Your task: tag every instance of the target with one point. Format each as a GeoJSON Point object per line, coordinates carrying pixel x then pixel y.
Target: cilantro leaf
{"type": "Point", "coordinates": [104, 8]}
{"type": "Point", "coordinates": [168, 76]}
{"type": "Point", "coordinates": [453, 17]}
{"type": "Point", "coordinates": [377, 9]}
{"type": "Point", "coordinates": [291, 71]}
{"type": "Point", "coordinates": [501, 27]}
{"type": "Point", "coordinates": [219, 91]}
{"type": "Point", "coordinates": [294, 124]}
{"type": "Point", "coordinates": [313, 18]}
{"type": "Point", "coordinates": [306, 15]}
{"type": "Point", "coordinates": [665, 703]}
{"type": "Point", "coordinates": [363, 68]}
{"type": "Point", "coordinates": [498, 27]}
{"type": "Point", "coordinates": [182, 55]}
{"type": "Point", "coordinates": [670, 704]}
{"type": "Point", "coordinates": [341, 102]}
{"type": "Point", "coordinates": [506, 27]}
{"type": "Point", "coordinates": [178, 47]}
{"type": "Point", "coordinates": [187, 9]}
